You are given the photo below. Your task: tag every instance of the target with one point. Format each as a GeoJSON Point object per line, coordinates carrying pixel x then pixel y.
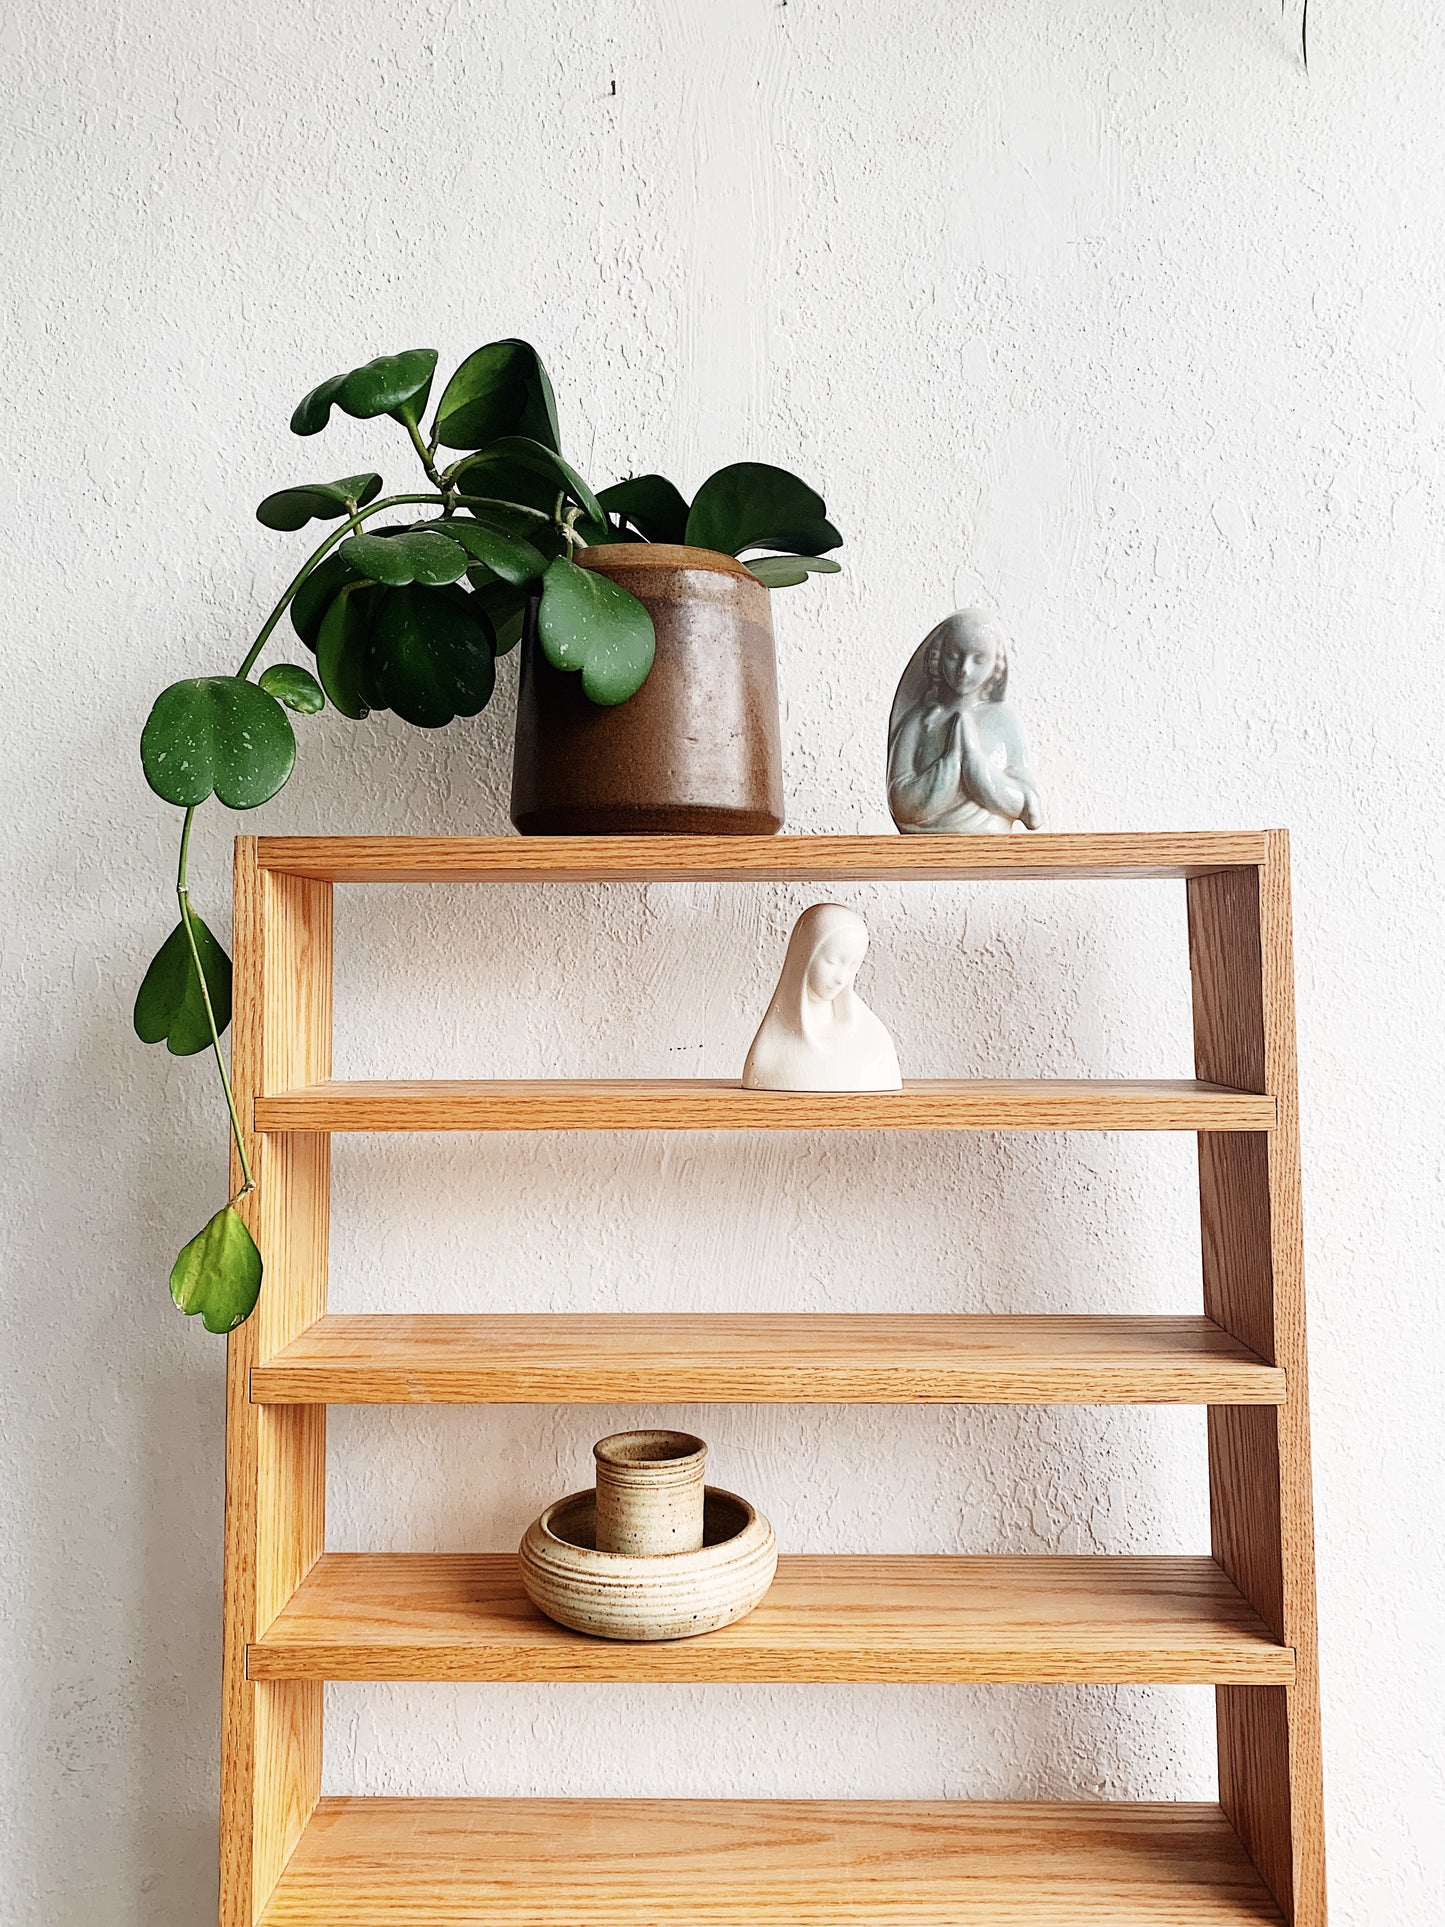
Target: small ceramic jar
{"type": "Point", "coordinates": [649, 1492]}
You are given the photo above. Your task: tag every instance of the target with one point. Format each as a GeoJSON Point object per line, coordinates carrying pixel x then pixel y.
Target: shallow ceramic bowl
{"type": "Point", "coordinates": [671, 1595]}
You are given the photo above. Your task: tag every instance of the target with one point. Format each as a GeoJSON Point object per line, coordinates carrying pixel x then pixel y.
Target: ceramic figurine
{"type": "Point", "coordinates": [818, 1034]}
{"type": "Point", "coordinates": [956, 753]}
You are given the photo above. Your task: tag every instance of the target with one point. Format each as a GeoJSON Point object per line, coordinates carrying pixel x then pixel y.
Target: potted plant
{"type": "Point", "coordinates": [410, 613]}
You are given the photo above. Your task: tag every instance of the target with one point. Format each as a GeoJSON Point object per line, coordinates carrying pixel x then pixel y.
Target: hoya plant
{"type": "Point", "coordinates": [405, 606]}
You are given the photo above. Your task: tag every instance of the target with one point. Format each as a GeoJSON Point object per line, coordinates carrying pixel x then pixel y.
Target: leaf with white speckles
{"type": "Point", "coordinates": [589, 623]}
{"type": "Point", "coordinates": [217, 734]}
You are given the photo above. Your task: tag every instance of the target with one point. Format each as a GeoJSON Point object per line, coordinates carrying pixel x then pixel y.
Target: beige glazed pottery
{"type": "Point", "coordinates": [673, 1595]}
{"type": "Point", "coordinates": [649, 1492]}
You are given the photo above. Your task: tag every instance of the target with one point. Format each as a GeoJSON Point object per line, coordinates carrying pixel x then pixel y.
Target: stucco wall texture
{"type": "Point", "coordinates": [1102, 313]}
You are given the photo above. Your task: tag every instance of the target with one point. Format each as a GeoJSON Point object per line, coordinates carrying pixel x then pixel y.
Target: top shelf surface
{"type": "Point", "coordinates": [760, 859]}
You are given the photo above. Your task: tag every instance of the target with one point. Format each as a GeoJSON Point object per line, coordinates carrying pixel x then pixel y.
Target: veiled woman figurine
{"type": "Point", "coordinates": [818, 1034]}
{"type": "Point", "coordinates": [956, 753]}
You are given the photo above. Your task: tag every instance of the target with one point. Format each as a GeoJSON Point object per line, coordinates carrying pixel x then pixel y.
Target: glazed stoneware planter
{"type": "Point", "coordinates": [696, 751]}
{"type": "Point", "coordinates": [673, 1596]}
{"type": "Point", "coordinates": [650, 1492]}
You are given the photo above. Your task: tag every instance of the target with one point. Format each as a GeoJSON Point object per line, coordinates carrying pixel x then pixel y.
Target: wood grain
{"type": "Point", "coordinates": [715, 1104]}
{"type": "Point", "coordinates": [465, 1616]}
{"type": "Point", "coordinates": [1252, 1239]}
{"type": "Point", "coordinates": [756, 859]}
{"type": "Point", "coordinates": [275, 1456]}
{"type": "Point", "coordinates": [772, 1357]}
{"type": "Point", "coordinates": [766, 1863]}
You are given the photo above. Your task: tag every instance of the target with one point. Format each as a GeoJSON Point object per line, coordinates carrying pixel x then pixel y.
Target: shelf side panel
{"type": "Point", "coordinates": [275, 1457]}
{"type": "Point", "coordinates": [1259, 1458]}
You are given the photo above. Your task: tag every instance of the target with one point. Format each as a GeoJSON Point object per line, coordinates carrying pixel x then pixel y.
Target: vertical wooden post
{"type": "Point", "coordinates": [275, 1455]}
{"type": "Point", "coordinates": [1242, 969]}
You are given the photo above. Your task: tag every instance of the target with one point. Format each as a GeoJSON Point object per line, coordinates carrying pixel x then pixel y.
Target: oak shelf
{"type": "Point", "coordinates": [579, 1358]}
{"type": "Point", "coordinates": [1049, 1619]}
{"type": "Point", "coordinates": [766, 1863]}
{"type": "Point", "coordinates": [1241, 1619]}
{"type": "Point", "coordinates": [717, 1104]}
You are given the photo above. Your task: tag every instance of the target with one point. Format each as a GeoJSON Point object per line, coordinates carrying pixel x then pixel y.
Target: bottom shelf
{"type": "Point", "coordinates": [766, 1863]}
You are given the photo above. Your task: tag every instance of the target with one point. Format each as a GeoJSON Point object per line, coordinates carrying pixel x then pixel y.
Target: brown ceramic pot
{"type": "Point", "coordinates": [696, 750]}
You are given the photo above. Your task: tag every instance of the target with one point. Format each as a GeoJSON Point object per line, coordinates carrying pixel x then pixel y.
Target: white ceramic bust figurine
{"type": "Point", "coordinates": [956, 753]}
{"type": "Point", "coordinates": [818, 1034]}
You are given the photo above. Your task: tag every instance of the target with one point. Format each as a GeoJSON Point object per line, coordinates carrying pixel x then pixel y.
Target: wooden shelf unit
{"type": "Point", "coordinates": [1241, 1619]}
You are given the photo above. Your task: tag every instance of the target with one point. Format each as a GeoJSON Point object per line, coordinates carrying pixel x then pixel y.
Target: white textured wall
{"type": "Point", "coordinates": [1099, 311]}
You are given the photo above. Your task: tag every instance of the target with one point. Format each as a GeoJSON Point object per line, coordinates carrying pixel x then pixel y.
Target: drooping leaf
{"type": "Point", "coordinates": [655, 507]}
{"type": "Point", "coordinates": [505, 608]}
{"type": "Point", "coordinates": [221, 734]}
{"type": "Point", "coordinates": [747, 503]}
{"type": "Point", "coordinates": [416, 555]}
{"type": "Point", "coordinates": [294, 687]}
{"type": "Point", "coordinates": [218, 1274]}
{"type": "Point", "coordinates": [785, 571]}
{"type": "Point", "coordinates": [590, 623]}
{"type": "Point", "coordinates": [316, 594]}
{"type": "Point", "coordinates": [169, 1008]}
{"type": "Point", "coordinates": [500, 467]}
{"type": "Point", "coordinates": [293, 508]}
{"type": "Point", "coordinates": [511, 557]}
{"type": "Point", "coordinates": [391, 385]}
{"type": "Point", "coordinates": [341, 650]}
{"type": "Point", "coordinates": [500, 390]}
{"type": "Point", "coordinates": [804, 538]}
{"type": "Point", "coordinates": [430, 656]}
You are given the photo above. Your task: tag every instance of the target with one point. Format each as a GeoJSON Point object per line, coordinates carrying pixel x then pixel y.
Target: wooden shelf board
{"type": "Point", "coordinates": [766, 1863]}
{"type": "Point", "coordinates": [758, 859]}
{"type": "Point", "coordinates": [827, 1619]}
{"type": "Point", "coordinates": [546, 1358]}
{"type": "Point", "coordinates": [717, 1104]}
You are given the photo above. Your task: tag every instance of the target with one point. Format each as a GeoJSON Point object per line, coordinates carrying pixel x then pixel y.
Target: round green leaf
{"type": "Point", "coordinates": [785, 571]}
{"type": "Point", "coordinates": [341, 650]}
{"type": "Point", "coordinates": [293, 508]}
{"type": "Point", "coordinates": [505, 608]}
{"type": "Point", "coordinates": [294, 686]}
{"type": "Point", "coordinates": [416, 555]}
{"type": "Point", "coordinates": [804, 538]}
{"type": "Point", "coordinates": [500, 390]}
{"type": "Point", "coordinates": [509, 557]}
{"type": "Point", "coordinates": [169, 1008]}
{"type": "Point", "coordinates": [589, 623]}
{"type": "Point", "coordinates": [391, 385]}
{"type": "Point", "coordinates": [655, 507]}
{"type": "Point", "coordinates": [430, 656]}
{"type": "Point", "coordinates": [743, 506]}
{"type": "Point", "coordinates": [317, 593]}
{"type": "Point", "coordinates": [218, 1274]}
{"type": "Point", "coordinates": [221, 734]}
{"type": "Point", "coordinates": [508, 466]}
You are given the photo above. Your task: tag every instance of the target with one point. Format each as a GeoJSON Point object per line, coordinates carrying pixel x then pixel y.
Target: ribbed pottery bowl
{"type": "Point", "coordinates": [670, 1595]}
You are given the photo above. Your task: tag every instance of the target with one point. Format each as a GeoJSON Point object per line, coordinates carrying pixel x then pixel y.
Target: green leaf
{"type": "Point", "coordinates": [430, 656]}
{"type": "Point", "coordinates": [293, 686]}
{"type": "Point", "coordinates": [743, 507]}
{"type": "Point", "coordinates": [500, 390]}
{"type": "Point", "coordinates": [785, 571]}
{"type": "Point", "coordinates": [511, 557]}
{"type": "Point", "coordinates": [341, 650]}
{"type": "Point", "coordinates": [805, 538]}
{"type": "Point", "coordinates": [506, 609]}
{"type": "Point", "coordinates": [293, 508]}
{"type": "Point", "coordinates": [221, 734]}
{"type": "Point", "coordinates": [589, 623]}
{"type": "Point", "coordinates": [391, 385]}
{"type": "Point", "coordinates": [218, 1274]}
{"type": "Point", "coordinates": [317, 593]}
{"type": "Point", "coordinates": [515, 459]}
{"type": "Point", "coordinates": [655, 507]}
{"type": "Point", "coordinates": [415, 555]}
{"type": "Point", "coordinates": [169, 1008]}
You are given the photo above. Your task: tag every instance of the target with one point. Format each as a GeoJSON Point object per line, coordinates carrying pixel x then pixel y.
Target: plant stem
{"type": "Point", "coordinates": [426, 455]}
{"type": "Point", "coordinates": [183, 897]}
